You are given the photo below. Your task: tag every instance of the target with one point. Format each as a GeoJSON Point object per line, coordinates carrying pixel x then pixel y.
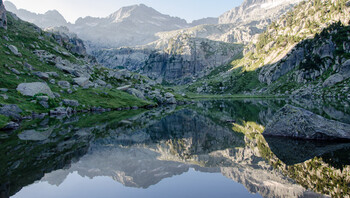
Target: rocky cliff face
{"type": "Point", "coordinates": [68, 40]}
{"type": "Point", "coordinates": [180, 59]}
{"type": "Point", "coordinates": [3, 18]}
{"type": "Point", "coordinates": [257, 11]}
{"type": "Point", "coordinates": [302, 54]}
{"type": "Point", "coordinates": [184, 59]}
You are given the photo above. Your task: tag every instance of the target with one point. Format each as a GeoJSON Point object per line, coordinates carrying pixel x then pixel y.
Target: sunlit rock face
{"type": "Point", "coordinates": [260, 11]}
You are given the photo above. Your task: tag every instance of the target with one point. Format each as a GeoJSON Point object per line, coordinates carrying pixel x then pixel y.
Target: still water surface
{"type": "Point", "coordinates": [210, 149]}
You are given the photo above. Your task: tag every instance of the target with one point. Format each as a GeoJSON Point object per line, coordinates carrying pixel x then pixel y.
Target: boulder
{"type": "Point", "coordinates": [332, 80]}
{"type": "Point", "coordinates": [28, 66]}
{"type": "Point", "coordinates": [71, 103]}
{"type": "Point", "coordinates": [169, 95]}
{"type": "Point", "coordinates": [11, 110]}
{"type": "Point", "coordinates": [42, 75]}
{"type": "Point", "coordinates": [101, 82]}
{"type": "Point", "coordinates": [31, 89]}
{"type": "Point", "coordinates": [82, 81]}
{"type": "Point", "coordinates": [15, 71]}
{"type": "Point", "coordinates": [296, 122]}
{"type": "Point", "coordinates": [11, 126]}
{"type": "Point", "coordinates": [14, 50]}
{"type": "Point", "coordinates": [53, 74]}
{"type": "Point", "coordinates": [124, 88]}
{"type": "Point", "coordinates": [64, 84]}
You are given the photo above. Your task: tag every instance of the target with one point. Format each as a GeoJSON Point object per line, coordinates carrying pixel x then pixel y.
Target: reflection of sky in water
{"type": "Point", "coordinates": [189, 184]}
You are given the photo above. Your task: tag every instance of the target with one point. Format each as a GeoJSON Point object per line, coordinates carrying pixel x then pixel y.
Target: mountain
{"type": "Point", "coordinates": [129, 26]}
{"type": "Point", "coordinates": [51, 18]}
{"type": "Point", "coordinates": [303, 54]}
{"type": "Point", "coordinates": [259, 11]}
{"type": "Point", "coordinates": [188, 59]}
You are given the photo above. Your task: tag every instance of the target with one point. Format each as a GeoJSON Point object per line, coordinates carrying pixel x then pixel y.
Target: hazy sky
{"type": "Point", "coordinates": [73, 9]}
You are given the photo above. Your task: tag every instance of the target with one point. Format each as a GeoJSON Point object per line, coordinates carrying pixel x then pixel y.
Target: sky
{"type": "Point", "coordinates": [73, 9]}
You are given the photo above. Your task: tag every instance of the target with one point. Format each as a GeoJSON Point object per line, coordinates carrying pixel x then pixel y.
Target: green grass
{"type": "Point", "coordinates": [107, 98]}
{"type": "Point", "coordinates": [3, 121]}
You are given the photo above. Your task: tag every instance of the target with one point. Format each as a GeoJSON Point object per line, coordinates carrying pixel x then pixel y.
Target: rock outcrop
{"type": "Point", "coordinates": [68, 40]}
{"type": "Point", "coordinates": [179, 60]}
{"type": "Point", "coordinates": [296, 122]}
{"type": "Point", "coordinates": [3, 18]}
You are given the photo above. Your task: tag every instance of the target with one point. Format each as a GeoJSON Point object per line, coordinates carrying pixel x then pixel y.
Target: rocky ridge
{"type": "Point", "coordinates": [51, 18]}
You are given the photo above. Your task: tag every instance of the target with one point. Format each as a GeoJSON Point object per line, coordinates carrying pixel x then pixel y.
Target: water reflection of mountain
{"type": "Point", "coordinates": [140, 149]}
{"type": "Point", "coordinates": [171, 147]}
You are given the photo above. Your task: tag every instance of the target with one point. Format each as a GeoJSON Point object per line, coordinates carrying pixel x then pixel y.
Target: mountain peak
{"type": "Point", "coordinates": [10, 6]}
{"type": "Point", "coordinates": [257, 10]}
{"type": "Point", "coordinates": [135, 11]}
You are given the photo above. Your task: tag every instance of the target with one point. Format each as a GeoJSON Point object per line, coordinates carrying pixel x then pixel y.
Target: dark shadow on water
{"type": "Point", "coordinates": [293, 151]}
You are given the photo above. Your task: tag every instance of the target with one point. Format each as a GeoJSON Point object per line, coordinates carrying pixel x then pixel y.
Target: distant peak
{"type": "Point", "coordinates": [52, 12]}
{"type": "Point", "coordinates": [10, 6]}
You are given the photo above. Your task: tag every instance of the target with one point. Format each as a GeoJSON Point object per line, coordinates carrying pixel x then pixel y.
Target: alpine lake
{"type": "Point", "coordinates": [211, 148]}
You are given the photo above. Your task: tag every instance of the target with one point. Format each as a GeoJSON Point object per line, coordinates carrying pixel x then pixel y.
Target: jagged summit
{"type": "Point", "coordinates": [257, 10]}
{"type": "Point", "coordinates": [129, 26]}
{"type": "Point", "coordinates": [140, 12]}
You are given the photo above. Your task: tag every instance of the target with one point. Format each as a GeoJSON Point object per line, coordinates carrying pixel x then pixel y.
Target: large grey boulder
{"type": "Point", "coordinates": [14, 50]}
{"type": "Point", "coordinates": [82, 81]}
{"type": "Point", "coordinates": [3, 18]}
{"type": "Point", "coordinates": [332, 80]}
{"type": "Point", "coordinates": [31, 89]}
{"type": "Point", "coordinates": [296, 122]}
{"type": "Point", "coordinates": [11, 110]}
{"type": "Point", "coordinates": [42, 75]}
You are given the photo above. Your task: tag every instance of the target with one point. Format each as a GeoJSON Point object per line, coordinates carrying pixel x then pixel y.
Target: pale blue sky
{"type": "Point", "coordinates": [186, 9]}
